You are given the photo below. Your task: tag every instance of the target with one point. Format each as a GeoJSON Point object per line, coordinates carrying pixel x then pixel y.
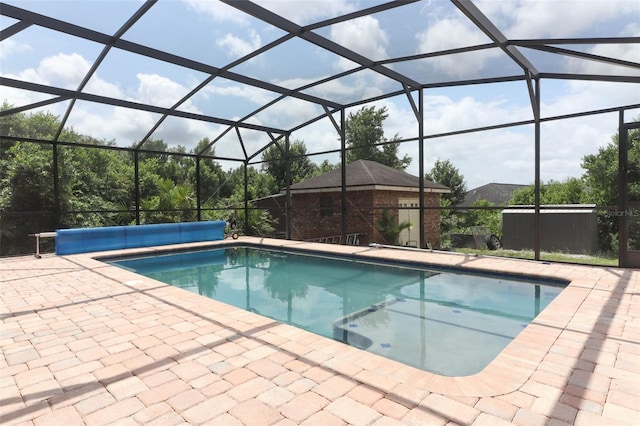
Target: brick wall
{"type": "Point", "coordinates": [363, 209]}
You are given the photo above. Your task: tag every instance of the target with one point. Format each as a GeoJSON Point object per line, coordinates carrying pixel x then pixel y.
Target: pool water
{"type": "Point", "coordinates": [444, 322]}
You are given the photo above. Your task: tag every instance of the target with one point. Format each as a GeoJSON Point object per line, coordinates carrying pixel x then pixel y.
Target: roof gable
{"type": "Point", "coordinates": [496, 193]}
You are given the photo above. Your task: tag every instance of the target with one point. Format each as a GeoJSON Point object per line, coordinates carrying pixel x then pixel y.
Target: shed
{"type": "Point", "coordinates": [571, 228]}
{"type": "Point", "coordinates": [371, 187]}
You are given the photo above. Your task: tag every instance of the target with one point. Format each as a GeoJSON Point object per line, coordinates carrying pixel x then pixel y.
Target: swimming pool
{"type": "Point", "coordinates": [440, 321]}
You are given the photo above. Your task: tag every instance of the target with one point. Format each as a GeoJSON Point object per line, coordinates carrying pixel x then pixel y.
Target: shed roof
{"type": "Point", "coordinates": [366, 174]}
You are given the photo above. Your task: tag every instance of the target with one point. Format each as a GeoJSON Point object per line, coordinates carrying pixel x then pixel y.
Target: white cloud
{"type": "Point", "coordinates": [320, 136]}
{"type": "Point", "coordinates": [308, 11]}
{"type": "Point", "coordinates": [29, 74]}
{"type": "Point", "coordinates": [11, 47]}
{"type": "Point", "coordinates": [16, 97]}
{"type": "Point", "coordinates": [507, 155]}
{"type": "Point", "coordinates": [578, 96]}
{"type": "Point", "coordinates": [362, 86]}
{"type": "Point", "coordinates": [453, 33]}
{"type": "Point", "coordinates": [238, 47]}
{"type": "Point", "coordinates": [161, 91]}
{"type": "Point", "coordinates": [128, 126]}
{"type": "Point", "coordinates": [246, 93]}
{"type": "Point", "coordinates": [98, 86]}
{"type": "Point", "coordinates": [288, 113]}
{"type": "Point", "coordinates": [124, 126]}
{"type": "Point", "coordinates": [627, 52]}
{"type": "Point", "coordinates": [63, 70]}
{"type": "Point", "coordinates": [449, 33]}
{"type": "Point", "coordinates": [363, 36]}
{"type": "Point", "coordinates": [217, 11]}
{"type": "Point", "coordinates": [504, 155]}
{"type": "Point", "coordinates": [445, 115]}
{"type": "Point", "coordinates": [557, 18]}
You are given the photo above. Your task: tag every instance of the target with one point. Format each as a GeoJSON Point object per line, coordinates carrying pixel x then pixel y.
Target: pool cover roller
{"type": "Point", "coordinates": [84, 240]}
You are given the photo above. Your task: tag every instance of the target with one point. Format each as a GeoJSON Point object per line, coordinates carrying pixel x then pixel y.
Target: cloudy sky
{"type": "Point", "coordinates": [217, 34]}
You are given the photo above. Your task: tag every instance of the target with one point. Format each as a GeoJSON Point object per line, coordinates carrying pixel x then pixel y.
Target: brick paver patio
{"type": "Point", "coordinates": [87, 343]}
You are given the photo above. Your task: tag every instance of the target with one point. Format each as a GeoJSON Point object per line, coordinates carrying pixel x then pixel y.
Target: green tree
{"type": "Point", "coordinates": [571, 191]}
{"type": "Point", "coordinates": [490, 218]}
{"type": "Point", "coordinates": [213, 179]}
{"type": "Point", "coordinates": [94, 179]}
{"type": "Point", "coordinates": [275, 164]}
{"type": "Point", "coordinates": [173, 203]}
{"type": "Point", "coordinates": [259, 185]}
{"type": "Point", "coordinates": [27, 203]}
{"type": "Point", "coordinates": [445, 173]}
{"type": "Point", "coordinates": [365, 139]}
{"type": "Point", "coordinates": [601, 177]}
{"type": "Point", "coordinates": [325, 167]}
{"type": "Point", "coordinates": [89, 179]}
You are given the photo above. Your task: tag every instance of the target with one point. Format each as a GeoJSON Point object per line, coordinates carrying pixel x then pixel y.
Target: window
{"type": "Point", "coordinates": [326, 206]}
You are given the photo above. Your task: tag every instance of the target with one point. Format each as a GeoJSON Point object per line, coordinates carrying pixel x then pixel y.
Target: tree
{"type": "Point", "coordinates": [275, 164]}
{"type": "Point", "coordinates": [325, 167]}
{"type": "Point", "coordinates": [571, 191]}
{"type": "Point", "coordinates": [445, 173]}
{"type": "Point", "coordinates": [259, 222]}
{"type": "Point", "coordinates": [89, 179]}
{"type": "Point", "coordinates": [365, 139]}
{"type": "Point", "coordinates": [601, 177]}
{"type": "Point", "coordinates": [94, 179]}
{"type": "Point", "coordinates": [212, 176]}
{"type": "Point", "coordinates": [389, 228]}
{"type": "Point", "coordinates": [486, 217]}
{"type": "Point", "coordinates": [174, 203]}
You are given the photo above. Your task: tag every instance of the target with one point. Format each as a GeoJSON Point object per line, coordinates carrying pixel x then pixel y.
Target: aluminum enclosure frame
{"type": "Point", "coordinates": [332, 110]}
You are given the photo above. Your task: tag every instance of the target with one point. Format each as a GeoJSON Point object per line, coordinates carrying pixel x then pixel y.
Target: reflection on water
{"type": "Point", "coordinates": [444, 322]}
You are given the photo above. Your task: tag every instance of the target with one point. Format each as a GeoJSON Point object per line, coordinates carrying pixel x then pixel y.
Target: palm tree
{"type": "Point", "coordinates": [389, 228]}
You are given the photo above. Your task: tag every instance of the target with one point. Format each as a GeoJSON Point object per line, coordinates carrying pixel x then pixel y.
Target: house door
{"type": "Point", "coordinates": [409, 212]}
{"type": "Point", "coordinates": [629, 211]}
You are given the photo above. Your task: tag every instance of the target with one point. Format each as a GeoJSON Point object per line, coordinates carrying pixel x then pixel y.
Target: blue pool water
{"type": "Point", "coordinates": [444, 322]}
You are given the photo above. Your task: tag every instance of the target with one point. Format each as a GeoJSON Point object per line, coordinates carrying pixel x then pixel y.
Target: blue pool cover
{"type": "Point", "coordinates": [84, 240]}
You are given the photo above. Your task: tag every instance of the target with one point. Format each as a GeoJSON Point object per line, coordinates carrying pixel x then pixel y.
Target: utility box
{"type": "Point", "coordinates": [563, 228]}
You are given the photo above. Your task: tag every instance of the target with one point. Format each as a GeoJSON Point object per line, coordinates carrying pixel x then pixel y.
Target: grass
{"type": "Point", "coordinates": [583, 259]}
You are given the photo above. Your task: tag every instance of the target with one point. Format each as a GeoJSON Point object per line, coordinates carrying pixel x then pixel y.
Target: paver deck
{"type": "Point", "coordinates": [84, 342]}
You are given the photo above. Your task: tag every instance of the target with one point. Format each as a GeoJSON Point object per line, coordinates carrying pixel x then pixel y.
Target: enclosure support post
{"type": "Point", "coordinates": [198, 211]}
{"type": "Point", "coordinates": [288, 188]}
{"type": "Point", "coordinates": [136, 171]}
{"type": "Point", "coordinates": [246, 196]}
{"type": "Point", "coordinates": [622, 189]}
{"type": "Point", "coordinates": [56, 184]}
{"type": "Point", "coordinates": [343, 161]}
{"type": "Point", "coordinates": [421, 241]}
{"type": "Point", "coordinates": [536, 215]}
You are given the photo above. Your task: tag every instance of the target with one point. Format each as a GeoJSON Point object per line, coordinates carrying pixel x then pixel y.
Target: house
{"type": "Point", "coordinates": [497, 194]}
{"type": "Point", "coordinates": [370, 189]}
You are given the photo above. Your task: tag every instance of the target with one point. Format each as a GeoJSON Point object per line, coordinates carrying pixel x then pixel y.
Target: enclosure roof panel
{"type": "Point", "coordinates": [275, 66]}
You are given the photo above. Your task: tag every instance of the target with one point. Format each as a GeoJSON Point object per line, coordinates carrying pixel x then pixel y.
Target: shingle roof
{"type": "Point", "coordinates": [366, 173]}
{"type": "Point", "coordinates": [496, 193]}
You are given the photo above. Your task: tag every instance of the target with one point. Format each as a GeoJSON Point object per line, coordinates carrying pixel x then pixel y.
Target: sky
{"type": "Point", "coordinates": [213, 33]}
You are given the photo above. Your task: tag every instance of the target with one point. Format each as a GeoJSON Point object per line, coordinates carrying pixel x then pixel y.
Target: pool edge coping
{"type": "Point", "coordinates": [508, 372]}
